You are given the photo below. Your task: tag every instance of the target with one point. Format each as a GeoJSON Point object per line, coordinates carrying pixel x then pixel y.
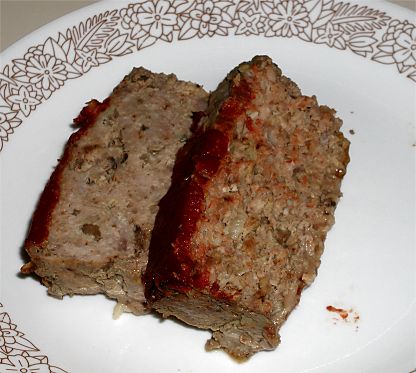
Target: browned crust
{"type": "Point", "coordinates": [170, 264]}
{"type": "Point", "coordinates": [39, 229]}
{"type": "Point", "coordinates": [189, 275]}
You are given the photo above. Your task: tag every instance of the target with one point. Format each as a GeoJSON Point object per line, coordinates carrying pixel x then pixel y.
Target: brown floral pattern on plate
{"type": "Point", "coordinates": [18, 354]}
{"type": "Point", "coordinates": [27, 82]}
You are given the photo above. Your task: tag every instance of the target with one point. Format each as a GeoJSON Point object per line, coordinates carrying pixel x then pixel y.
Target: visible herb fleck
{"type": "Point", "coordinates": [139, 238]}
{"type": "Point", "coordinates": [91, 230]}
{"type": "Point", "coordinates": [89, 181]}
{"type": "Point", "coordinates": [112, 163]}
{"type": "Point", "coordinates": [75, 212]}
{"type": "Point", "coordinates": [264, 220]}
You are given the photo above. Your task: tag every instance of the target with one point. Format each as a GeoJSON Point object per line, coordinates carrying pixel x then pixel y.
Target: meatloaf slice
{"type": "Point", "coordinates": [91, 229]}
{"type": "Point", "coordinates": [242, 228]}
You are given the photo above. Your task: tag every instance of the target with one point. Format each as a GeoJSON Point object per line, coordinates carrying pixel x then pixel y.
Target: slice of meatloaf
{"type": "Point", "coordinates": [91, 229]}
{"type": "Point", "coordinates": [242, 228]}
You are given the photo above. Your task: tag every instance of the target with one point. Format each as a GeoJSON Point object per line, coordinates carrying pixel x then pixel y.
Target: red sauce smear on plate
{"type": "Point", "coordinates": [343, 313]}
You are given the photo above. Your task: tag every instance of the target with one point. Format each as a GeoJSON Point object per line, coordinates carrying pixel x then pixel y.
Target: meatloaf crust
{"type": "Point", "coordinates": [91, 229]}
{"type": "Point", "coordinates": [241, 230]}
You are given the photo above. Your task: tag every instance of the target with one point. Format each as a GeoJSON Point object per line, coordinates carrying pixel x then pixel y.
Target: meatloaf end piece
{"type": "Point", "coordinates": [91, 229]}
{"type": "Point", "coordinates": [242, 228]}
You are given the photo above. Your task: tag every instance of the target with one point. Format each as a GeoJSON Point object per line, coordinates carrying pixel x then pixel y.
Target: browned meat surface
{"type": "Point", "coordinates": [91, 230]}
{"type": "Point", "coordinates": [241, 230]}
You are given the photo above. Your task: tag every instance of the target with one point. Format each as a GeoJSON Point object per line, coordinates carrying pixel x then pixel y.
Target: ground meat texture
{"type": "Point", "coordinates": [242, 228]}
{"type": "Point", "coordinates": [91, 229]}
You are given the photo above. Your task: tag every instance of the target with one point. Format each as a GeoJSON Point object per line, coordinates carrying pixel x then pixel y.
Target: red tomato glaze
{"type": "Point", "coordinates": [174, 264]}
{"type": "Point", "coordinates": [39, 230]}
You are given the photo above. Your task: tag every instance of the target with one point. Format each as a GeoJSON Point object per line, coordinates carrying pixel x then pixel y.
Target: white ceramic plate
{"type": "Point", "coordinates": [357, 59]}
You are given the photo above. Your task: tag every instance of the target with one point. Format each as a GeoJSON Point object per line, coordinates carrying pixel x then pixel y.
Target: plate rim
{"type": "Point", "coordinates": [21, 87]}
{"type": "Point", "coordinates": [353, 27]}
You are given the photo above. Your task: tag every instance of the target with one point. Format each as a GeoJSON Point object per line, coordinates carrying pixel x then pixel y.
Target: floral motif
{"type": "Point", "coordinates": [28, 81]}
{"type": "Point", "coordinates": [24, 100]}
{"type": "Point", "coordinates": [8, 122]}
{"type": "Point", "coordinates": [23, 364]}
{"type": "Point", "coordinates": [206, 18]}
{"type": "Point", "coordinates": [87, 59]}
{"type": "Point", "coordinates": [46, 72]}
{"type": "Point", "coordinates": [250, 23]}
{"type": "Point", "coordinates": [10, 338]}
{"type": "Point", "coordinates": [406, 51]}
{"type": "Point", "coordinates": [7, 334]}
{"type": "Point", "coordinates": [47, 66]}
{"type": "Point", "coordinates": [130, 19]}
{"type": "Point", "coordinates": [62, 49]}
{"type": "Point", "coordinates": [287, 18]}
{"type": "Point", "coordinates": [399, 47]}
{"type": "Point", "coordinates": [157, 18]}
{"type": "Point", "coordinates": [331, 36]}
{"type": "Point", "coordinates": [17, 354]}
{"type": "Point", "coordinates": [209, 19]}
{"type": "Point", "coordinates": [362, 43]}
{"type": "Point", "coordinates": [149, 21]}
